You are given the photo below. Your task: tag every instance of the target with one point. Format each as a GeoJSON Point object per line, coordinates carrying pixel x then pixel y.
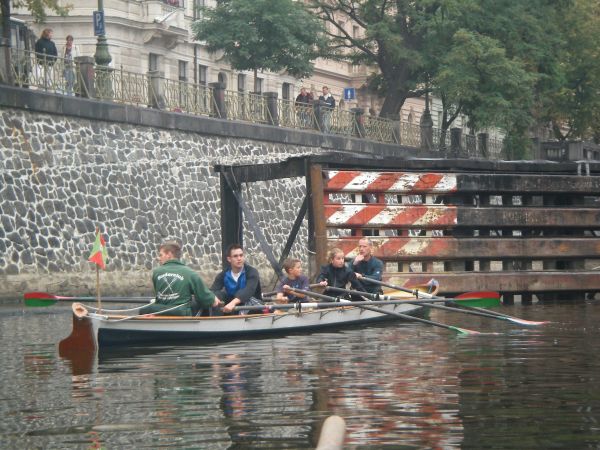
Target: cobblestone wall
{"type": "Point", "coordinates": [63, 176]}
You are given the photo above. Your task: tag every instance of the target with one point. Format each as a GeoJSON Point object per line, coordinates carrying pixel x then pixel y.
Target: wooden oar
{"type": "Point", "coordinates": [466, 307]}
{"type": "Point", "coordinates": [365, 305]}
{"type": "Point", "coordinates": [45, 299]}
{"type": "Point", "coordinates": [466, 310]}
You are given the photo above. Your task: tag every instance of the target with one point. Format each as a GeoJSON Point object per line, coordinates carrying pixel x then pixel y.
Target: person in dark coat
{"type": "Point", "coordinates": [45, 48]}
{"type": "Point", "coordinates": [239, 284]}
{"type": "Point", "coordinates": [337, 274]}
{"type": "Point", "coordinates": [365, 265]}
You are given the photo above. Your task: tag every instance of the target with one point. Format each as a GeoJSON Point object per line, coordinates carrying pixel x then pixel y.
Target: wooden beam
{"type": "Point", "coordinates": [359, 215]}
{"type": "Point", "coordinates": [404, 248]}
{"type": "Point", "coordinates": [505, 281]}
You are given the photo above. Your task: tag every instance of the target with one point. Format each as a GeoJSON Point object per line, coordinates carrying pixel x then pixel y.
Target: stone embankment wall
{"type": "Point", "coordinates": [69, 165]}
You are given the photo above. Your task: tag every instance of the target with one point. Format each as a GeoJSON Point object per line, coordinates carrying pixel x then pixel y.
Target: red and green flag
{"type": "Point", "coordinates": [99, 253]}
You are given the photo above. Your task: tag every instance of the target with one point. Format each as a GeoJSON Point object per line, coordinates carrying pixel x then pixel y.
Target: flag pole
{"type": "Point", "coordinates": [98, 289]}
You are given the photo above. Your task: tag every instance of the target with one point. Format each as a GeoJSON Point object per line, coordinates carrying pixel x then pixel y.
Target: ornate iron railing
{"type": "Point", "coordinates": [297, 115]}
{"type": "Point", "coordinates": [379, 129]}
{"type": "Point", "coordinates": [180, 96]}
{"type": "Point", "coordinates": [61, 76]}
{"type": "Point", "coordinates": [247, 107]}
{"type": "Point", "coordinates": [122, 86]}
{"type": "Point", "coordinates": [45, 72]}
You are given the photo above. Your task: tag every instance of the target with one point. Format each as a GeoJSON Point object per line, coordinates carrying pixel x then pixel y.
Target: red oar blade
{"type": "Point", "coordinates": [482, 299]}
{"type": "Point", "coordinates": [39, 299]}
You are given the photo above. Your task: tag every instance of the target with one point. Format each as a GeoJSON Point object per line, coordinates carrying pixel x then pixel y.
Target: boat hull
{"type": "Point", "coordinates": [99, 330]}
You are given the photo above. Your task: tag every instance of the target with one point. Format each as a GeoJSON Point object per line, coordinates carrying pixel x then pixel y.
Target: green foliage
{"type": "Point", "coordinates": [38, 8]}
{"type": "Point", "coordinates": [262, 35]}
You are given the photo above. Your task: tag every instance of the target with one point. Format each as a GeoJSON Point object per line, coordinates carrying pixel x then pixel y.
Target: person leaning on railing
{"type": "Point", "coordinates": [327, 104]}
{"type": "Point", "coordinates": [303, 101]}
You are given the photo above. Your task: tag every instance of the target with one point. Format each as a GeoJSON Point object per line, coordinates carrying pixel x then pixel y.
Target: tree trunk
{"type": "Point", "coordinates": [392, 104]}
{"type": "Point", "coordinates": [255, 80]}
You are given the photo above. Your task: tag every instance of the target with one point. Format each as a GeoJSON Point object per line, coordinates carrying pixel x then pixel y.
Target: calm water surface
{"type": "Point", "coordinates": [398, 385]}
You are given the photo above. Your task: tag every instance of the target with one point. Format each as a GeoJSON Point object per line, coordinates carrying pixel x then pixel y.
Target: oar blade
{"type": "Point", "coordinates": [463, 331]}
{"type": "Point", "coordinates": [36, 299]}
{"type": "Point", "coordinates": [481, 299]}
{"type": "Point", "coordinates": [530, 323]}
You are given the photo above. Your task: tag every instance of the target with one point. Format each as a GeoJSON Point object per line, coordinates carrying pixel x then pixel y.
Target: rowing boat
{"type": "Point", "coordinates": [94, 330]}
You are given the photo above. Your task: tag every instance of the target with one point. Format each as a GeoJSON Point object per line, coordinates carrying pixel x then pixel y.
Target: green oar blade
{"type": "Point", "coordinates": [482, 299]}
{"type": "Point", "coordinates": [39, 299]}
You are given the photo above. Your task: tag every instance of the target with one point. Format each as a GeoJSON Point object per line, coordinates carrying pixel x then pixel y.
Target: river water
{"type": "Point", "coordinates": [397, 385]}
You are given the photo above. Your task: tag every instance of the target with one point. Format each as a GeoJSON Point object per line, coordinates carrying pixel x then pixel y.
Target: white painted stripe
{"type": "Point", "coordinates": [345, 214]}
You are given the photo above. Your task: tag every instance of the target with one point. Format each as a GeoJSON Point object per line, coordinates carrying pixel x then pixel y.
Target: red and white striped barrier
{"type": "Point", "coordinates": [390, 182]}
{"type": "Point", "coordinates": [400, 247]}
{"type": "Point", "coordinates": [390, 216]}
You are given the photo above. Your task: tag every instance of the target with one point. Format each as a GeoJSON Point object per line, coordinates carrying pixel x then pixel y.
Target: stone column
{"type": "Point", "coordinates": [482, 145]}
{"type": "Point", "coordinates": [271, 98]}
{"type": "Point", "coordinates": [156, 89]}
{"type": "Point", "coordinates": [455, 142]}
{"type": "Point", "coordinates": [86, 76]}
{"type": "Point", "coordinates": [5, 58]}
{"type": "Point", "coordinates": [359, 121]}
{"type": "Point", "coordinates": [219, 106]}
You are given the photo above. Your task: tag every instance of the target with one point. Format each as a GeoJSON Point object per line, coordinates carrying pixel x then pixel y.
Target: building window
{"type": "Point", "coordinates": [152, 62]}
{"type": "Point", "coordinates": [286, 90]}
{"type": "Point", "coordinates": [241, 82]}
{"type": "Point", "coordinates": [182, 70]}
{"type": "Point", "coordinates": [355, 31]}
{"type": "Point", "coordinates": [259, 86]}
{"type": "Point", "coordinates": [202, 75]}
{"type": "Point", "coordinates": [197, 14]}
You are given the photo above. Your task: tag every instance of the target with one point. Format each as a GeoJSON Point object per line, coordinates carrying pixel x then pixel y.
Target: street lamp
{"type": "Point", "coordinates": [102, 56]}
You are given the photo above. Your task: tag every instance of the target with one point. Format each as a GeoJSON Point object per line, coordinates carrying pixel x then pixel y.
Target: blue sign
{"type": "Point", "coordinates": [99, 29]}
{"type": "Point", "coordinates": [349, 93]}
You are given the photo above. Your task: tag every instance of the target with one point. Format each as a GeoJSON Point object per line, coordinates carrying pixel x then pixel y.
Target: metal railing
{"type": "Point", "coordinates": [60, 76]}
{"type": "Point", "coordinates": [181, 96]}
{"type": "Point", "coordinates": [297, 115]}
{"type": "Point", "coordinates": [247, 107]}
{"type": "Point", "coordinates": [45, 72]}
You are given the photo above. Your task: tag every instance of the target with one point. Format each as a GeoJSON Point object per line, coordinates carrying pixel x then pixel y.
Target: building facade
{"type": "Point", "coordinates": [145, 35]}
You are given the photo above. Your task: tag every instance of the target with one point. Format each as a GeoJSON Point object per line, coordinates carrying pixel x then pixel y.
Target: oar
{"type": "Point", "coordinates": [365, 305]}
{"type": "Point", "coordinates": [466, 307]}
{"type": "Point", "coordinates": [467, 310]}
{"type": "Point", "coordinates": [485, 298]}
{"type": "Point", "coordinates": [45, 299]}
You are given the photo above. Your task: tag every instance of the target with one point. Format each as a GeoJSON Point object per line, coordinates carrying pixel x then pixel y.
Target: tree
{"type": "Point", "coordinates": [570, 96]}
{"type": "Point", "coordinates": [262, 35]}
{"type": "Point", "coordinates": [390, 36]}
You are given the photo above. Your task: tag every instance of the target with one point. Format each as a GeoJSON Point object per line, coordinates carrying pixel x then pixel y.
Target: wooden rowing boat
{"type": "Point", "coordinates": [93, 330]}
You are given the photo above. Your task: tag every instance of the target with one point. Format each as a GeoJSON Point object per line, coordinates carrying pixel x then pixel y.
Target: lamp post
{"type": "Point", "coordinates": [102, 56]}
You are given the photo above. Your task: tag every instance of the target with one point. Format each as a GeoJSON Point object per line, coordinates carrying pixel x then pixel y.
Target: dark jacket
{"type": "Point", "coordinates": [304, 100]}
{"type": "Point", "coordinates": [252, 288]}
{"type": "Point", "coordinates": [339, 277]}
{"type": "Point", "coordinates": [45, 50]}
{"type": "Point", "coordinates": [329, 100]}
{"type": "Point", "coordinates": [373, 268]}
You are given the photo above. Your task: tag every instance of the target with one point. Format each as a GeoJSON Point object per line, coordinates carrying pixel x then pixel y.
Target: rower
{"type": "Point", "coordinates": [239, 284]}
{"type": "Point", "coordinates": [367, 265]}
{"type": "Point", "coordinates": [175, 284]}
{"type": "Point", "coordinates": [294, 280]}
{"type": "Point", "coordinates": [337, 274]}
